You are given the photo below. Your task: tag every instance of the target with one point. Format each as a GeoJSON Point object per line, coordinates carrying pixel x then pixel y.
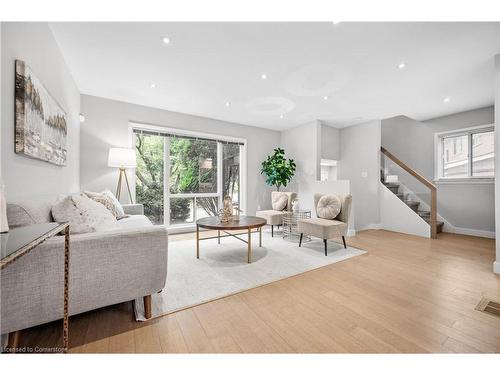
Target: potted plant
{"type": "Point", "coordinates": [278, 169]}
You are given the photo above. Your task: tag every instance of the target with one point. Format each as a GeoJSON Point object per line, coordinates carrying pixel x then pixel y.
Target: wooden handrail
{"type": "Point", "coordinates": [423, 180]}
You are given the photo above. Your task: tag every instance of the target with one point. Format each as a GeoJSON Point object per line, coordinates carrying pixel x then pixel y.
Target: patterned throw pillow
{"type": "Point", "coordinates": [279, 201]}
{"type": "Point", "coordinates": [108, 200]}
{"type": "Point", "coordinates": [328, 207]}
{"type": "Point", "coordinates": [83, 214]}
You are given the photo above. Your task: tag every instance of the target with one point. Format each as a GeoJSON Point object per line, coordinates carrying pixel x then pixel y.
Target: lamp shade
{"type": "Point", "coordinates": [122, 158]}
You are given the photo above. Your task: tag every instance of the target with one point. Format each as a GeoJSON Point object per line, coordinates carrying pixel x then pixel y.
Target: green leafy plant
{"type": "Point", "coordinates": [278, 169]}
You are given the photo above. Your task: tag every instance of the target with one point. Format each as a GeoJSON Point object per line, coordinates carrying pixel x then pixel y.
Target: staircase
{"type": "Point", "coordinates": [414, 205]}
{"type": "Point", "coordinates": [396, 168]}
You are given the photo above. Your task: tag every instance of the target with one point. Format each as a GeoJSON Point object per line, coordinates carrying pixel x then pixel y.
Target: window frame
{"type": "Point", "coordinates": [439, 154]}
{"type": "Point", "coordinates": [166, 169]}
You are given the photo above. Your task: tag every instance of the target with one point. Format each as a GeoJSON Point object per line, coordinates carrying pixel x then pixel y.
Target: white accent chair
{"type": "Point", "coordinates": [275, 216]}
{"type": "Point", "coordinates": [327, 228]}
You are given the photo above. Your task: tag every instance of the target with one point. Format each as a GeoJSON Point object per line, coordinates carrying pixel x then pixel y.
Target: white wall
{"type": "Point", "coordinates": [330, 142]}
{"type": "Point", "coordinates": [25, 177]}
{"type": "Point", "coordinates": [496, 266]}
{"type": "Point", "coordinates": [107, 125]}
{"type": "Point", "coordinates": [302, 144]}
{"type": "Point", "coordinates": [413, 142]}
{"type": "Point", "coordinates": [359, 163]}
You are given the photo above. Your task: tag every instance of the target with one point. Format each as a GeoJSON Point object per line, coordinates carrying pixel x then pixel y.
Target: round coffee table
{"type": "Point", "coordinates": [244, 222]}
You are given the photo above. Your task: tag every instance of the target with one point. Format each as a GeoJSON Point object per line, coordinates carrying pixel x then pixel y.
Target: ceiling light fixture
{"type": "Point", "coordinates": [165, 39]}
{"type": "Point", "coordinates": [263, 76]}
{"type": "Point", "coordinates": [153, 85]}
{"type": "Point", "coordinates": [281, 116]}
{"type": "Point", "coordinates": [447, 99]}
{"type": "Point", "coordinates": [401, 65]}
{"type": "Point", "coordinates": [335, 22]}
{"type": "Point", "coordinates": [325, 97]}
{"type": "Point", "coordinates": [228, 104]}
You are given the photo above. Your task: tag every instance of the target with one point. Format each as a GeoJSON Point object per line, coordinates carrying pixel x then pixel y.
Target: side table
{"type": "Point", "coordinates": [290, 218]}
{"type": "Point", "coordinates": [19, 242]}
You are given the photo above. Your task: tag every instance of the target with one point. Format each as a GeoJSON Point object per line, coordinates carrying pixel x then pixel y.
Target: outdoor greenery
{"type": "Point", "coordinates": [278, 170]}
{"type": "Point", "coordinates": [149, 175]}
{"type": "Point", "coordinates": [193, 169]}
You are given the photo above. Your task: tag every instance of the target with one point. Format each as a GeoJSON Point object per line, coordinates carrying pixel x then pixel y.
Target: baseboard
{"type": "Point", "coordinates": [374, 226]}
{"type": "Point", "coordinates": [496, 267]}
{"type": "Point", "coordinates": [472, 232]}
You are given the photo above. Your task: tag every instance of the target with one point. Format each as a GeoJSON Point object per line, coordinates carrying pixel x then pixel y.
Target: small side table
{"type": "Point", "coordinates": [290, 218]}
{"type": "Point", "coordinates": [19, 242]}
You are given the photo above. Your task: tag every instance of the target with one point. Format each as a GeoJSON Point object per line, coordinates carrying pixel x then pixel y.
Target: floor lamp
{"type": "Point", "coordinates": [122, 158]}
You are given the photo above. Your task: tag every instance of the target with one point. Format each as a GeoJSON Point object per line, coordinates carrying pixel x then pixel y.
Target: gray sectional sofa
{"type": "Point", "coordinates": [105, 268]}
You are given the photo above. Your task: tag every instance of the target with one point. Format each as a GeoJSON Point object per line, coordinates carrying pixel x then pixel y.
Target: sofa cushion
{"type": "Point", "coordinates": [83, 214]}
{"type": "Point", "coordinates": [29, 212]}
{"type": "Point", "coordinates": [134, 222]}
{"type": "Point", "coordinates": [279, 201]}
{"type": "Point", "coordinates": [328, 207]}
{"type": "Point", "coordinates": [108, 199]}
{"type": "Point", "coordinates": [322, 228]}
{"type": "Point", "coordinates": [272, 217]}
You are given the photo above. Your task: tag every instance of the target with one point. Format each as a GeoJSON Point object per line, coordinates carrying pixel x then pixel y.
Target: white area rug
{"type": "Point", "coordinates": [223, 270]}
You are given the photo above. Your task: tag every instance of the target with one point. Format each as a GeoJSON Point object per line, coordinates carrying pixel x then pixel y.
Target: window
{"type": "Point", "coordinates": [466, 154]}
{"type": "Point", "coordinates": [181, 178]}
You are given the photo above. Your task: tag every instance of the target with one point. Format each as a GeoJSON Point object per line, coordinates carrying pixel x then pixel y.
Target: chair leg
{"type": "Point", "coordinates": [300, 240]}
{"type": "Point", "coordinates": [272, 230]}
{"type": "Point", "coordinates": [343, 240]}
{"type": "Point", "coordinates": [147, 306]}
{"type": "Point", "coordinates": [326, 247]}
{"type": "Point", "coordinates": [13, 340]}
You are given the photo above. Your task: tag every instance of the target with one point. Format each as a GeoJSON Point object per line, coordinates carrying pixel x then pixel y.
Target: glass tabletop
{"type": "Point", "coordinates": [18, 238]}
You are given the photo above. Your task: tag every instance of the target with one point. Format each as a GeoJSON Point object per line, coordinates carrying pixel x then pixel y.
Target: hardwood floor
{"type": "Point", "coordinates": [406, 295]}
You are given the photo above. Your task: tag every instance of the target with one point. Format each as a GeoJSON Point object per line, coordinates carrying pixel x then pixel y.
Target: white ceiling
{"type": "Point", "coordinates": [354, 64]}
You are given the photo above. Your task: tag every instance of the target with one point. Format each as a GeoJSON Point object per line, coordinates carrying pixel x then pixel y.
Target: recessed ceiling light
{"type": "Point", "coordinates": [336, 22]}
{"type": "Point", "coordinates": [165, 39]}
{"type": "Point", "coordinates": [447, 99]}
{"type": "Point", "coordinates": [401, 65]}
{"type": "Point", "coordinates": [153, 85]}
{"type": "Point", "coordinates": [263, 76]}
{"type": "Point", "coordinates": [325, 97]}
{"type": "Point", "coordinates": [227, 104]}
{"type": "Point", "coordinates": [281, 116]}
{"type": "Point", "coordinates": [82, 118]}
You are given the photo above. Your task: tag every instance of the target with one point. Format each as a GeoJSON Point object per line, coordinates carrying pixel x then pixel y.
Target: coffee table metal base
{"type": "Point", "coordinates": [247, 224]}
{"type": "Point", "coordinates": [248, 241]}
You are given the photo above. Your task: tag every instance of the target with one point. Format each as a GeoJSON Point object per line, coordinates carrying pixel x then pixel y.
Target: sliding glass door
{"type": "Point", "coordinates": [181, 179]}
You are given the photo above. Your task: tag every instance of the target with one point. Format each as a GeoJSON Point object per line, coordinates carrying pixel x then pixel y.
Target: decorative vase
{"type": "Point", "coordinates": [226, 214]}
{"type": "Point", "coordinates": [295, 205]}
{"type": "Point", "coordinates": [4, 225]}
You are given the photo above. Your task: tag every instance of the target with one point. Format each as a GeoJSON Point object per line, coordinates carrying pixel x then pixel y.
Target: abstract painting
{"type": "Point", "coordinates": [41, 125]}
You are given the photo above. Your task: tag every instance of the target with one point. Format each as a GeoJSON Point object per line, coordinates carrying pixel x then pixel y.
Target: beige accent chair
{"type": "Point", "coordinates": [275, 217]}
{"type": "Point", "coordinates": [327, 228]}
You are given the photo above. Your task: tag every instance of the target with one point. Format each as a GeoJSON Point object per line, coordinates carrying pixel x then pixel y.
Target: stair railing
{"type": "Point", "coordinates": [423, 180]}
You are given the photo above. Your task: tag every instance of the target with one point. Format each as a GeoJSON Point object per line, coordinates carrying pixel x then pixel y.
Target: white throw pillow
{"type": "Point", "coordinates": [108, 199]}
{"type": "Point", "coordinates": [279, 201]}
{"type": "Point", "coordinates": [328, 207]}
{"type": "Point", "coordinates": [83, 214]}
